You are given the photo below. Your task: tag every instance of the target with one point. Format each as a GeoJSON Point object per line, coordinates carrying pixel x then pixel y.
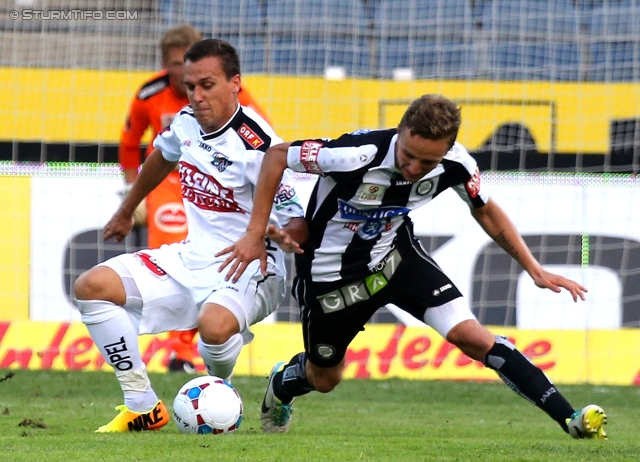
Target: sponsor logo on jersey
{"type": "Point", "coordinates": [171, 218]}
{"type": "Point", "coordinates": [187, 143]}
{"type": "Point", "coordinates": [220, 161]}
{"type": "Point", "coordinates": [150, 263]}
{"type": "Point", "coordinates": [473, 184]}
{"type": "Point", "coordinates": [368, 192]}
{"type": "Point", "coordinates": [359, 291]}
{"type": "Point", "coordinates": [424, 187]}
{"type": "Point", "coordinates": [205, 192]}
{"type": "Point", "coordinates": [204, 146]}
{"type": "Point", "coordinates": [285, 196]}
{"type": "Point", "coordinates": [402, 182]}
{"type": "Point", "coordinates": [441, 289]}
{"type": "Point", "coordinates": [309, 156]}
{"type": "Point", "coordinates": [349, 212]}
{"type": "Point", "coordinates": [250, 136]}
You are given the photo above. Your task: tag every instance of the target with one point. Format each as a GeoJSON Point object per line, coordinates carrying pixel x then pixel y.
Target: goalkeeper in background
{"type": "Point", "coordinates": [154, 107]}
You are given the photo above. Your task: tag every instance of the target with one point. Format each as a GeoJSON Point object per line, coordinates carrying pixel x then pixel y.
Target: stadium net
{"type": "Point", "coordinates": [548, 89]}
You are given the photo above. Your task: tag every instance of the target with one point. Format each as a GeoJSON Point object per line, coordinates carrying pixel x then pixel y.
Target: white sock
{"type": "Point", "coordinates": [220, 359]}
{"type": "Point", "coordinates": [138, 394]}
{"type": "Point", "coordinates": [116, 337]}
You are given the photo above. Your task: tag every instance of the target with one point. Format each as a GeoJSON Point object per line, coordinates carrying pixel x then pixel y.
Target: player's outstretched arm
{"type": "Point", "coordinates": [251, 245]}
{"type": "Point", "coordinates": [155, 169]}
{"type": "Point", "coordinates": [501, 229]}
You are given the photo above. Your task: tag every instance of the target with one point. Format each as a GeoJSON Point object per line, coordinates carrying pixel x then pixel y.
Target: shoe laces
{"type": "Point", "coordinates": [282, 413]}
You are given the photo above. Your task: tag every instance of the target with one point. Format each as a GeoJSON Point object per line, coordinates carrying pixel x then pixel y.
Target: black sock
{"type": "Point", "coordinates": [523, 377]}
{"type": "Point", "coordinates": [292, 380]}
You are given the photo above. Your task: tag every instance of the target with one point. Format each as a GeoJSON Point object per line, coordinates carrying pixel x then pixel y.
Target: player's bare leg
{"type": "Point", "coordinates": [220, 340]}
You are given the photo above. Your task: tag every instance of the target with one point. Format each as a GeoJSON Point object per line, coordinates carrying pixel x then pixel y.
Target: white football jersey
{"type": "Point", "coordinates": [218, 174]}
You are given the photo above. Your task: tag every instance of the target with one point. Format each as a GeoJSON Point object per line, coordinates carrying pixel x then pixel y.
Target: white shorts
{"type": "Point", "coordinates": [161, 303]}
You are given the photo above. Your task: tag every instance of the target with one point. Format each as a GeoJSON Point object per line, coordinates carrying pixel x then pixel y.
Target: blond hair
{"type": "Point", "coordinates": [180, 36]}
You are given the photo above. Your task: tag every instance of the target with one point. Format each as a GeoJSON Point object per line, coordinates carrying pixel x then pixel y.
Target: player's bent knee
{"type": "Point", "coordinates": [100, 283]}
{"type": "Point", "coordinates": [214, 337]}
{"type": "Point", "coordinates": [324, 380]}
{"type": "Point", "coordinates": [326, 384]}
{"type": "Point", "coordinates": [472, 339]}
{"type": "Point", "coordinates": [216, 324]}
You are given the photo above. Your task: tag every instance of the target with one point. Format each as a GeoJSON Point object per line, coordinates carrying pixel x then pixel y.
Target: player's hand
{"type": "Point", "coordinates": [555, 282]}
{"type": "Point", "coordinates": [283, 239]}
{"type": "Point", "coordinates": [118, 227]}
{"type": "Point", "coordinates": [249, 247]}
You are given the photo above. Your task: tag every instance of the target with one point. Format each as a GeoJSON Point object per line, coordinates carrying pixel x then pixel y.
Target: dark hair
{"type": "Point", "coordinates": [432, 117]}
{"type": "Point", "coordinates": [216, 48]}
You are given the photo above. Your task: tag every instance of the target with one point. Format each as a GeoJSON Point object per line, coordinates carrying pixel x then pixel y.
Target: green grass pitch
{"type": "Point", "coordinates": [51, 415]}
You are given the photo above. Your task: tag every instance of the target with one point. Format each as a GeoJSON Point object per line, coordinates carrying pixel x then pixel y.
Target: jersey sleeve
{"type": "Point", "coordinates": [136, 124]}
{"type": "Point", "coordinates": [286, 203]}
{"type": "Point", "coordinates": [471, 189]}
{"type": "Point", "coordinates": [168, 141]}
{"type": "Point", "coordinates": [323, 157]}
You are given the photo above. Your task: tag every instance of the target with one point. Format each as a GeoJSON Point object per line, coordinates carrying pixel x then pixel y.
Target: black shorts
{"type": "Point", "coordinates": [334, 312]}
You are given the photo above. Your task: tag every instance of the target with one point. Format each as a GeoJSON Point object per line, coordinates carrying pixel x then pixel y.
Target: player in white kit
{"type": "Point", "coordinates": [219, 146]}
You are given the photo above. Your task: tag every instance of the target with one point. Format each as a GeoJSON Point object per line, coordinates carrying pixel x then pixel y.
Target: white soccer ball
{"type": "Point", "coordinates": [207, 404]}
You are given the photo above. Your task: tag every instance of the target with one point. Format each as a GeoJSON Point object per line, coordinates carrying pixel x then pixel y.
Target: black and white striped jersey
{"type": "Point", "coordinates": [361, 200]}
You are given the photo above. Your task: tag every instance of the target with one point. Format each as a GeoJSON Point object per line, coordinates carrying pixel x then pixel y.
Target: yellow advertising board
{"type": "Point", "coordinates": [14, 247]}
{"type": "Point", "coordinates": [609, 357]}
{"type": "Point", "coordinates": [558, 114]}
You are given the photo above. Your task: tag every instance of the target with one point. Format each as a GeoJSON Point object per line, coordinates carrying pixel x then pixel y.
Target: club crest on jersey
{"type": "Point", "coordinates": [325, 351]}
{"type": "Point", "coordinates": [424, 187]}
{"type": "Point", "coordinates": [220, 161]}
{"type": "Point", "coordinates": [369, 229]}
{"type": "Point", "coordinates": [250, 136]}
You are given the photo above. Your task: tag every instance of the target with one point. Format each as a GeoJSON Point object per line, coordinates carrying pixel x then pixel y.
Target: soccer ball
{"type": "Point", "coordinates": [207, 404]}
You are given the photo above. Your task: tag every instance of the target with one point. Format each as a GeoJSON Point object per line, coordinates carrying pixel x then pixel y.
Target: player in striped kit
{"type": "Point", "coordinates": [218, 146]}
{"type": "Point", "coordinates": [361, 254]}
